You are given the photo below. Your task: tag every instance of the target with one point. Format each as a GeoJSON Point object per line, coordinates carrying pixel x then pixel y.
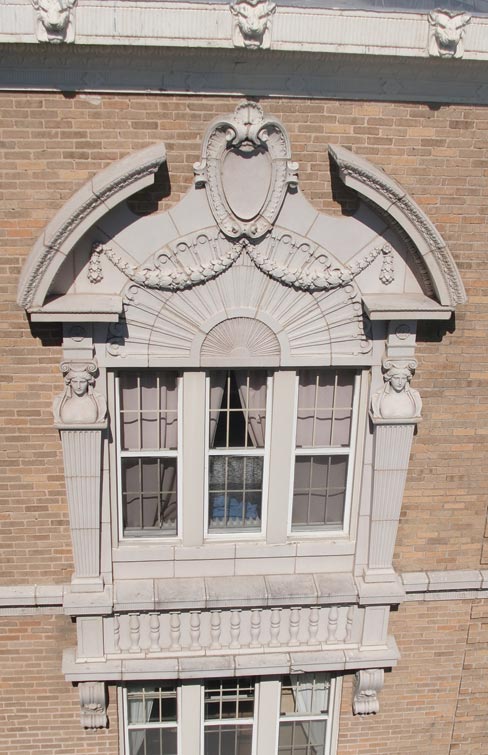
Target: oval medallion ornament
{"type": "Point", "coordinates": [246, 180]}
{"type": "Point", "coordinates": [246, 170]}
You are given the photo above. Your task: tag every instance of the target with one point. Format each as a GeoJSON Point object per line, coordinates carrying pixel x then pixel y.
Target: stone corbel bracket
{"type": "Point", "coordinates": [367, 684]}
{"type": "Point", "coordinates": [236, 148]}
{"type": "Point", "coordinates": [375, 186]}
{"type": "Point", "coordinates": [93, 704]}
{"type": "Point", "coordinates": [446, 33]}
{"type": "Point", "coordinates": [252, 23]}
{"type": "Point", "coordinates": [55, 21]}
{"type": "Point", "coordinates": [104, 191]}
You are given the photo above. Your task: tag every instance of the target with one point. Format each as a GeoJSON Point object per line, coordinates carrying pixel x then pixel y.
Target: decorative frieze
{"type": "Point", "coordinates": [93, 703]}
{"type": "Point", "coordinates": [367, 684]}
{"type": "Point", "coordinates": [252, 23]}
{"type": "Point", "coordinates": [55, 21]}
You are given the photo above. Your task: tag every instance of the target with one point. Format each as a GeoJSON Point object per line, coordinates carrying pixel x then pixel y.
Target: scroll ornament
{"type": "Point", "coordinates": [319, 279]}
{"type": "Point", "coordinates": [80, 403]}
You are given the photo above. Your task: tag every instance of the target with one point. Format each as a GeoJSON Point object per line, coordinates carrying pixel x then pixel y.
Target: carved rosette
{"type": "Point", "coordinates": [246, 168]}
{"type": "Point", "coordinates": [80, 416]}
{"type": "Point", "coordinates": [93, 704]}
{"type": "Point", "coordinates": [367, 684]}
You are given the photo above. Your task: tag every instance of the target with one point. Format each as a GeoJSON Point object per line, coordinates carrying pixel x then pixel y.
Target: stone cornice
{"type": "Point", "coordinates": [190, 24]}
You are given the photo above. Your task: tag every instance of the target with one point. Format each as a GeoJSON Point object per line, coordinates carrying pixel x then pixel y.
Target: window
{"type": "Point", "coordinates": [152, 715]}
{"type": "Point", "coordinates": [228, 717]}
{"type": "Point", "coordinates": [324, 424]}
{"type": "Point", "coordinates": [304, 715]}
{"type": "Point", "coordinates": [148, 438]}
{"type": "Point", "coordinates": [237, 435]}
{"type": "Point", "coordinates": [291, 715]}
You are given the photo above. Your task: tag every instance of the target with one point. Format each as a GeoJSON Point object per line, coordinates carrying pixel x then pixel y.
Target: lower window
{"type": "Point", "coordinates": [152, 720]}
{"type": "Point", "coordinates": [296, 712]}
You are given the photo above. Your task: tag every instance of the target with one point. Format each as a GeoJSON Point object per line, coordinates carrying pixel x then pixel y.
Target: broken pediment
{"type": "Point", "coordinates": [244, 245]}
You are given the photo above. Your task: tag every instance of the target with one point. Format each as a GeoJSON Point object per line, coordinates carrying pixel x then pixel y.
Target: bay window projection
{"type": "Point", "coordinates": [323, 449]}
{"type": "Point", "coordinates": [152, 716]}
{"type": "Point", "coordinates": [237, 439]}
{"type": "Point", "coordinates": [148, 438]}
{"type": "Point", "coordinates": [229, 716]}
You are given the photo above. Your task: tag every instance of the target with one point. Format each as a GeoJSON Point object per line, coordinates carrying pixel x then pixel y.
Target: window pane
{"type": "Point", "coordinates": [235, 491]}
{"type": "Point", "coordinates": [319, 491]}
{"type": "Point", "coordinates": [324, 408]}
{"type": "Point", "coordinates": [149, 411]}
{"type": "Point", "coordinates": [229, 698]}
{"type": "Point", "coordinates": [149, 494]}
{"type": "Point", "coordinates": [153, 742]}
{"type": "Point", "coordinates": [228, 740]}
{"type": "Point", "coordinates": [237, 409]}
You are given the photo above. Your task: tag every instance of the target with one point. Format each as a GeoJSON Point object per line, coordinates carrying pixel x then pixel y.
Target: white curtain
{"type": "Point", "coordinates": [252, 394]}
{"type": "Point", "coordinates": [312, 698]}
{"type": "Point", "coordinates": [217, 386]}
{"type": "Point", "coordinates": [136, 715]}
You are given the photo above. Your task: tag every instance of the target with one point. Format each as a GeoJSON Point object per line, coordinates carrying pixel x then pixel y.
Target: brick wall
{"type": "Point", "coordinates": [39, 710]}
{"type": "Point", "coordinates": [51, 144]}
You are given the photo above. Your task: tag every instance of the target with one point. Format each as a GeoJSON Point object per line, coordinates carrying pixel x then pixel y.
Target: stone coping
{"type": "Point", "coordinates": [233, 664]}
{"type": "Point", "coordinates": [218, 592]}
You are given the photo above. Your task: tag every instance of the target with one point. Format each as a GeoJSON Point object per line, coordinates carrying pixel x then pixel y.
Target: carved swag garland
{"type": "Point", "coordinates": [247, 134]}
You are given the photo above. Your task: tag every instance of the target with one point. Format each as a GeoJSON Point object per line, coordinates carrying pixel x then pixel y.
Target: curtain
{"type": "Point", "coordinates": [312, 698]}
{"type": "Point", "coordinates": [217, 386]}
{"type": "Point", "coordinates": [252, 394]}
{"type": "Point", "coordinates": [139, 712]}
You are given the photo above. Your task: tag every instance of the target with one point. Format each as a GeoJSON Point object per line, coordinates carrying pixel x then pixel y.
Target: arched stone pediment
{"type": "Point", "coordinates": [232, 252]}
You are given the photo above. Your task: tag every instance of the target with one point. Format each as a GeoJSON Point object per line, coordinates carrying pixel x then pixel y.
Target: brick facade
{"type": "Point", "coordinates": [50, 145]}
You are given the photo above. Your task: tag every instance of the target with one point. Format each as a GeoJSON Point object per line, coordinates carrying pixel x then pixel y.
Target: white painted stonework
{"type": "Point", "coordinates": [243, 272]}
{"type": "Point", "coordinates": [187, 24]}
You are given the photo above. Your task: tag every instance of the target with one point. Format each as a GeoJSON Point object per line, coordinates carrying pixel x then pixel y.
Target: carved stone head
{"type": "Point", "coordinates": [396, 400]}
{"type": "Point", "coordinates": [79, 403]}
{"type": "Point", "coordinates": [252, 22]}
{"type": "Point", "coordinates": [54, 20]}
{"type": "Point", "coordinates": [447, 32]}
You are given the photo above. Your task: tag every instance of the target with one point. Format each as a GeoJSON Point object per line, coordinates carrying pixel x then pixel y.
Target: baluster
{"type": "Point", "coordinates": [235, 627]}
{"type": "Point", "coordinates": [275, 627]}
{"type": "Point", "coordinates": [175, 630]}
{"type": "Point", "coordinates": [349, 620]}
{"type": "Point", "coordinates": [195, 630]}
{"type": "Point", "coordinates": [117, 633]}
{"type": "Point", "coordinates": [313, 625]}
{"type": "Point", "coordinates": [154, 631]}
{"type": "Point", "coordinates": [332, 624]}
{"type": "Point", "coordinates": [135, 632]}
{"type": "Point", "coordinates": [255, 627]}
{"type": "Point", "coordinates": [215, 630]}
{"type": "Point", "coordinates": [294, 625]}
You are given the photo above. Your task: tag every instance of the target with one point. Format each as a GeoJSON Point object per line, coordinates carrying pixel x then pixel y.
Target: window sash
{"type": "Point", "coordinates": [313, 530]}
{"type": "Point", "coordinates": [235, 532]}
{"type": "Point", "coordinates": [159, 533]}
